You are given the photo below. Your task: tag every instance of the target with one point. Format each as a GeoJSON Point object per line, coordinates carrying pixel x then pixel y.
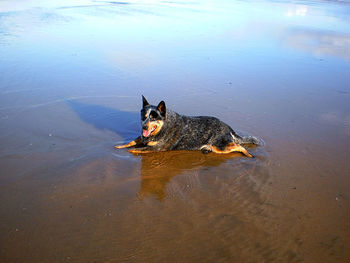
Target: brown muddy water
{"type": "Point", "coordinates": [71, 78]}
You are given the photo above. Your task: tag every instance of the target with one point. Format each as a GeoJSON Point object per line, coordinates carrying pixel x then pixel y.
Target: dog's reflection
{"type": "Point", "coordinates": [157, 169]}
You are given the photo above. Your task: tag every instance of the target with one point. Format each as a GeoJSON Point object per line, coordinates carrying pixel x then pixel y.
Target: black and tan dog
{"type": "Point", "coordinates": [165, 130]}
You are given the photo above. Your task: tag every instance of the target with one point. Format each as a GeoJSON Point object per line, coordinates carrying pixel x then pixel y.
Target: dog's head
{"type": "Point", "coordinates": [152, 118]}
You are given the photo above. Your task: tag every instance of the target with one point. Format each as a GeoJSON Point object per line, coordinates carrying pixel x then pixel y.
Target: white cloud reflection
{"type": "Point", "coordinates": [320, 42]}
{"type": "Point", "coordinates": [299, 10]}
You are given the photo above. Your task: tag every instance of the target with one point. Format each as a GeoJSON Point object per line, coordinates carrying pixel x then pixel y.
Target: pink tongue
{"type": "Point", "coordinates": [146, 133]}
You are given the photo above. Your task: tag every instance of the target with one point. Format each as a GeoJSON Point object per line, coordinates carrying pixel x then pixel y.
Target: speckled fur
{"type": "Point", "coordinates": [181, 132]}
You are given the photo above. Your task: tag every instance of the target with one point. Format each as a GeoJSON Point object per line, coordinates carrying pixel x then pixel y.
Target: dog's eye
{"type": "Point", "coordinates": [153, 115]}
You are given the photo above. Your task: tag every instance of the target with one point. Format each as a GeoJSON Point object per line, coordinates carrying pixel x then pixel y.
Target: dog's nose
{"type": "Point", "coordinates": [145, 127]}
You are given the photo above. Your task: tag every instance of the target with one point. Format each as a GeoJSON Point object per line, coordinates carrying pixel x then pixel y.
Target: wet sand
{"type": "Point", "coordinates": [71, 79]}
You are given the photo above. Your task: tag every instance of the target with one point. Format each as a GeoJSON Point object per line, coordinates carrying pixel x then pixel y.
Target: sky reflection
{"type": "Point", "coordinates": [142, 44]}
{"type": "Point", "coordinates": [320, 28]}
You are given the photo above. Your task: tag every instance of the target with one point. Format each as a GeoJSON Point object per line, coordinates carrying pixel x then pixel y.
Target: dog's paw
{"type": "Point", "coordinates": [205, 149]}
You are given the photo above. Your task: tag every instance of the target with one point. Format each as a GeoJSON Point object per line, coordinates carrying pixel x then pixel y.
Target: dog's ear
{"type": "Point", "coordinates": [161, 108]}
{"type": "Point", "coordinates": [144, 102]}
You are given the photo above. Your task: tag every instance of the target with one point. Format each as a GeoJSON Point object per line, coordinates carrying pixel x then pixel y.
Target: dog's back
{"type": "Point", "coordinates": [182, 132]}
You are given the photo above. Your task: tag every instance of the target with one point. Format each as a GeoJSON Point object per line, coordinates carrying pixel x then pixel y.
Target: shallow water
{"type": "Point", "coordinates": [71, 78]}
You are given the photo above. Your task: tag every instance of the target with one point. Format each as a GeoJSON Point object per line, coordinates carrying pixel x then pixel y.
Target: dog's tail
{"type": "Point", "coordinates": [245, 139]}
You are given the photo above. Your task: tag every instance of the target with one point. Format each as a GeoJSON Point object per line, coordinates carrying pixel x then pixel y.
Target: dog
{"type": "Point", "coordinates": [166, 130]}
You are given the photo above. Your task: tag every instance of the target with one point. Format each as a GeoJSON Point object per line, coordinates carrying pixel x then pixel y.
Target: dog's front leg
{"type": "Point", "coordinates": [136, 142]}
{"type": "Point", "coordinates": [146, 149]}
